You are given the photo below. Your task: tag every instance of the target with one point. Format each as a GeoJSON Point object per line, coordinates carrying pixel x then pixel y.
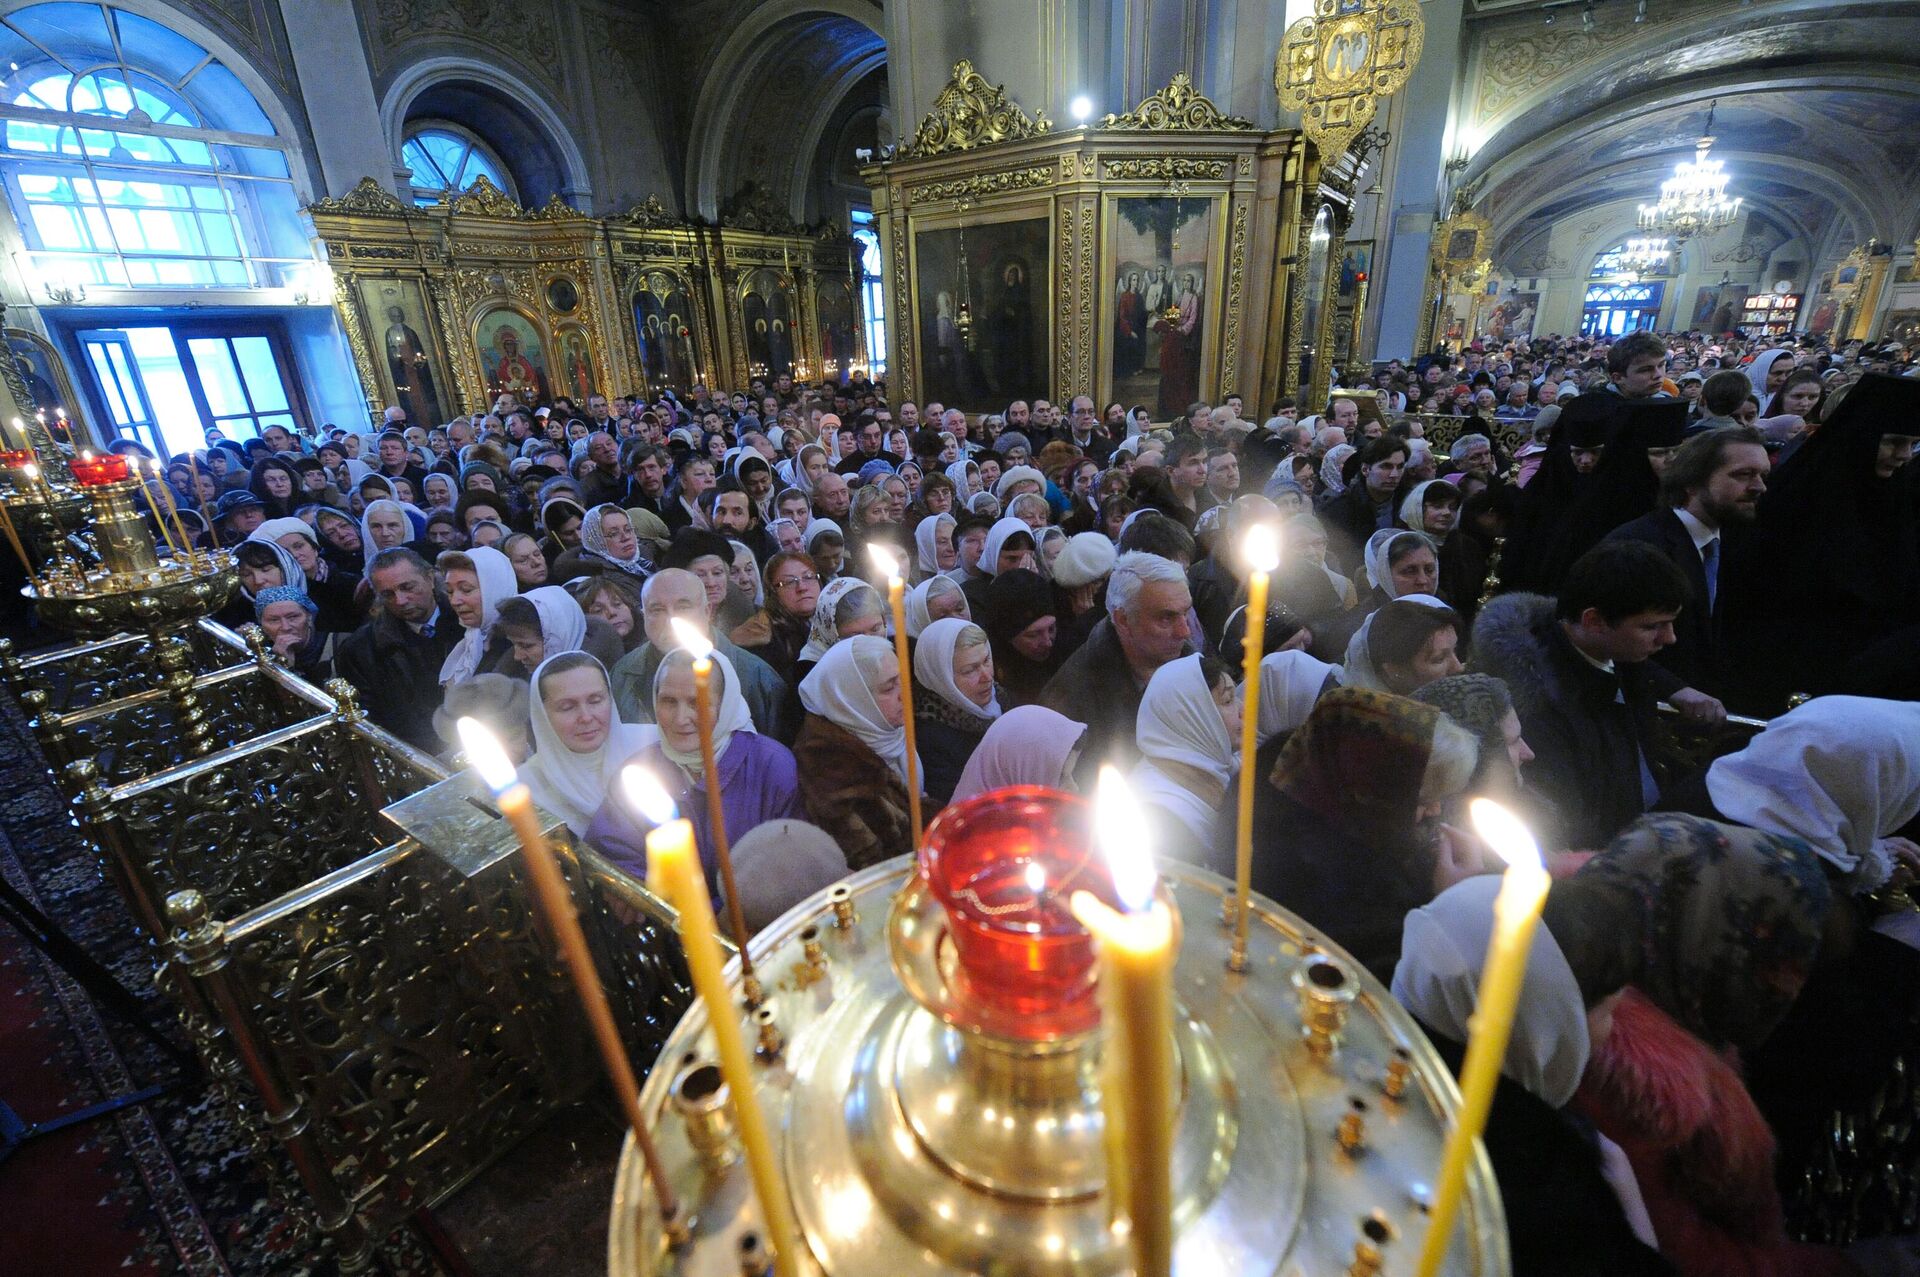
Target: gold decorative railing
{"type": "Point", "coordinates": [341, 922]}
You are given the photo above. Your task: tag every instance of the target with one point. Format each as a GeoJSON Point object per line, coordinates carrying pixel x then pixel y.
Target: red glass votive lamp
{"type": "Point", "coordinates": [98, 471]}
{"type": "Point", "coordinates": [1003, 864]}
{"type": "Point", "coordinates": [16, 458]}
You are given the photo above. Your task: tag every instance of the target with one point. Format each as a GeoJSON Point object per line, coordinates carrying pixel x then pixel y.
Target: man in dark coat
{"type": "Point", "coordinates": [1710, 492]}
{"type": "Point", "coordinates": [1585, 686]}
{"type": "Point", "coordinates": [1101, 684]}
{"type": "Point", "coordinates": [394, 659]}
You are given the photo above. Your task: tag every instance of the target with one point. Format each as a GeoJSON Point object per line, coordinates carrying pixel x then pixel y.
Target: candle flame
{"type": "Point", "coordinates": [688, 635]}
{"type": "Point", "coordinates": [1036, 877]}
{"type": "Point", "coordinates": [648, 796]}
{"type": "Point", "coordinates": [86, 454]}
{"type": "Point", "coordinates": [30, 470]}
{"type": "Point", "coordinates": [1118, 825]}
{"type": "Point", "coordinates": [1505, 832]}
{"type": "Point", "coordinates": [883, 559]}
{"type": "Point", "coordinates": [1261, 547]}
{"type": "Point", "coordinates": [486, 754]}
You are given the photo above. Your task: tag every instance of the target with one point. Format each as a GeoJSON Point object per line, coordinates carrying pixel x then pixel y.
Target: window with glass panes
{"type": "Point", "coordinates": [873, 298]}
{"type": "Point", "coordinates": [446, 159]}
{"type": "Point", "coordinates": [133, 158]}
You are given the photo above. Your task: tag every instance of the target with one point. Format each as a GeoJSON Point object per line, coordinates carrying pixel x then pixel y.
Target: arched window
{"type": "Point", "coordinates": [873, 294]}
{"type": "Point", "coordinates": [446, 159]}
{"type": "Point", "coordinates": [133, 158]}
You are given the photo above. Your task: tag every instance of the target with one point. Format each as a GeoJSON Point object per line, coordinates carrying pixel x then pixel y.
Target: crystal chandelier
{"type": "Point", "coordinates": [1645, 256]}
{"type": "Point", "coordinates": [1694, 200]}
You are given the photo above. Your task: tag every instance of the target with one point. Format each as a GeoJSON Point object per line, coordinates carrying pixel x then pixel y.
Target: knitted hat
{"type": "Point", "coordinates": [1009, 440]}
{"type": "Point", "coordinates": [1087, 557]}
{"type": "Point", "coordinates": [780, 863]}
{"type": "Point", "coordinates": [1018, 474]}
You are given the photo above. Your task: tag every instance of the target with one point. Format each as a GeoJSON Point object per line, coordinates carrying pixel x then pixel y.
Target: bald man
{"type": "Point", "coordinates": [676, 592]}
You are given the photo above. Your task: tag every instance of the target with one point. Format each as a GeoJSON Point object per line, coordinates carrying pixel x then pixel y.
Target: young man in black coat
{"type": "Point", "coordinates": [1585, 685]}
{"type": "Point", "coordinates": [394, 659]}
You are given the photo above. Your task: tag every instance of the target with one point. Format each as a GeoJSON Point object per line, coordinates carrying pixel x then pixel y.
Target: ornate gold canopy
{"type": "Point", "coordinates": [970, 112]}
{"type": "Point", "coordinates": [1178, 108]}
{"type": "Point", "coordinates": [1335, 67]}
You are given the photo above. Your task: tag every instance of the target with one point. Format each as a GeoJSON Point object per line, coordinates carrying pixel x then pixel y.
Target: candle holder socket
{"type": "Point", "coordinates": [1352, 1133]}
{"type": "Point", "coordinates": [1326, 990]}
{"type": "Point", "coordinates": [700, 1097]}
{"type": "Point", "coordinates": [769, 1033]}
{"type": "Point", "coordinates": [811, 949]}
{"type": "Point", "coordinates": [841, 900]}
{"type": "Point", "coordinates": [756, 1258]}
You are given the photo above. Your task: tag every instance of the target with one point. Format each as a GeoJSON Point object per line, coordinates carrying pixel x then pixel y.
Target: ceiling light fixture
{"type": "Point", "coordinates": [1694, 200]}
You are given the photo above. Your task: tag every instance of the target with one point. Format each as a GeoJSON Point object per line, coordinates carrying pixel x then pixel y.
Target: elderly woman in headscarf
{"type": "Point", "coordinates": [579, 742]}
{"type": "Point", "coordinates": [547, 621]}
{"type": "Point", "coordinates": [954, 700]}
{"type": "Point", "coordinates": [262, 563]}
{"type": "Point", "coordinates": [1348, 830]}
{"type": "Point", "coordinates": [476, 582]}
{"type": "Point", "coordinates": [1403, 646]}
{"type": "Point", "coordinates": [935, 599]}
{"type": "Point", "coordinates": [1024, 629]}
{"type": "Point", "coordinates": [1482, 704]}
{"type": "Point", "coordinates": [608, 543]}
{"type": "Point", "coordinates": [852, 751]}
{"type": "Point", "coordinates": [827, 545]}
{"type": "Point", "coordinates": [934, 549]}
{"type": "Point", "coordinates": [1716, 929]}
{"type": "Point", "coordinates": [1399, 563]}
{"type": "Point", "coordinates": [289, 618]}
{"type": "Point", "coordinates": [757, 777]}
{"type": "Point", "coordinates": [846, 607]}
{"type": "Point", "coordinates": [1026, 745]}
{"type": "Point", "coordinates": [1332, 481]}
{"type": "Point", "coordinates": [341, 541]}
{"type": "Point", "coordinates": [1189, 738]}
{"type": "Point", "coordinates": [1573, 1205]}
{"type": "Point", "coordinates": [964, 475]}
{"type": "Point", "coordinates": [1433, 507]}
{"type": "Point", "coordinates": [386, 524]}
{"type": "Point", "coordinates": [780, 629]}
{"type": "Point", "coordinates": [1009, 547]}
{"type": "Point", "coordinates": [1291, 682]}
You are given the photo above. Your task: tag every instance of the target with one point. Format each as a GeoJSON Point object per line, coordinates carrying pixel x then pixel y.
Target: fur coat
{"type": "Point", "coordinates": [850, 792]}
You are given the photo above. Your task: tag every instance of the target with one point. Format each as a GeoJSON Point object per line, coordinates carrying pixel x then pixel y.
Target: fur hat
{"type": "Point", "coordinates": [780, 863]}
{"type": "Point", "coordinates": [496, 700]}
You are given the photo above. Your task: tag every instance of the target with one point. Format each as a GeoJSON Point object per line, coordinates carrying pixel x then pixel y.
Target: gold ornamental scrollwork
{"type": "Point", "coordinates": [1236, 278]}
{"type": "Point", "coordinates": [978, 185]}
{"type": "Point", "coordinates": [484, 199]}
{"type": "Point", "coordinates": [1178, 108]}
{"type": "Point", "coordinates": [1335, 67]}
{"type": "Point", "coordinates": [369, 197]}
{"type": "Point", "coordinates": [970, 112]}
{"type": "Point", "coordinates": [650, 213]}
{"type": "Point", "coordinates": [1168, 168]}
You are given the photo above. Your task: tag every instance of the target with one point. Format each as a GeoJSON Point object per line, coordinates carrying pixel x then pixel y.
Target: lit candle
{"type": "Point", "coordinates": [166, 499]}
{"type": "Point", "coordinates": [160, 520]}
{"type": "Point", "coordinates": [689, 637]}
{"type": "Point", "coordinates": [1136, 1012]}
{"type": "Point", "coordinates": [484, 752]}
{"type": "Point", "coordinates": [1261, 552]}
{"type": "Point", "coordinates": [897, 597]}
{"type": "Point", "coordinates": [1523, 892]}
{"type": "Point", "coordinates": [673, 870]}
{"type": "Point", "coordinates": [35, 481]}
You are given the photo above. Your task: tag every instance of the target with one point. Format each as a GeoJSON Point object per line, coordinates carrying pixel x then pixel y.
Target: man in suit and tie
{"type": "Point", "coordinates": [1709, 492]}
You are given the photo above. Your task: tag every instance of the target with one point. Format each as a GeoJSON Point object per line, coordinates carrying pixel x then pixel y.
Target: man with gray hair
{"type": "Point", "coordinates": [1473, 454]}
{"type": "Point", "coordinates": [675, 593]}
{"type": "Point", "coordinates": [1146, 626]}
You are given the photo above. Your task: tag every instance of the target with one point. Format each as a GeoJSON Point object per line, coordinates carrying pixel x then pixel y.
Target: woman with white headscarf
{"type": "Point", "coordinates": [954, 700]}
{"type": "Point", "coordinates": [579, 741]}
{"type": "Point", "coordinates": [932, 600]}
{"type": "Point", "coordinates": [1401, 647]}
{"type": "Point", "coordinates": [1332, 484]}
{"type": "Point", "coordinates": [935, 554]}
{"type": "Point", "coordinates": [1009, 546]}
{"type": "Point", "coordinates": [608, 543]}
{"type": "Point", "coordinates": [1188, 732]}
{"type": "Point", "coordinates": [965, 476]}
{"type": "Point", "coordinates": [757, 778]}
{"type": "Point", "coordinates": [1396, 566]}
{"type": "Point", "coordinates": [477, 582]}
{"type": "Point", "coordinates": [1572, 1203]}
{"type": "Point", "coordinates": [1840, 772]}
{"type": "Point", "coordinates": [262, 564]}
{"type": "Point", "coordinates": [1290, 683]}
{"type": "Point", "coordinates": [852, 751]}
{"type": "Point", "coordinates": [386, 524]}
{"type": "Point", "coordinates": [547, 621]}
{"type": "Point", "coordinates": [1760, 374]}
{"type": "Point", "coordinates": [847, 607]}
{"type": "Point", "coordinates": [1027, 745]}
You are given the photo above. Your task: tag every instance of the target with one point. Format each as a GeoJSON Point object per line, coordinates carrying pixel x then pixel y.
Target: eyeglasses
{"type": "Point", "coordinates": [788, 582]}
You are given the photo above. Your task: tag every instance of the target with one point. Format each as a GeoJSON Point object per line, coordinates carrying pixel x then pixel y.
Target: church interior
{"type": "Point", "coordinates": [299, 975]}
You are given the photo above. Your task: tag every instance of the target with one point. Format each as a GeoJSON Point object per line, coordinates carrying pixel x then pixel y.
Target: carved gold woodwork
{"type": "Point", "coordinates": [969, 113]}
{"type": "Point", "coordinates": [571, 278]}
{"type": "Point", "coordinates": [1178, 108]}
{"type": "Point", "coordinates": [1336, 66]}
{"type": "Point", "coordinates": [1857, 284]}
{"type": "Point", "coordinates": [1458, 260]}
{"type": "Point", "coordinates": [1175, 145]}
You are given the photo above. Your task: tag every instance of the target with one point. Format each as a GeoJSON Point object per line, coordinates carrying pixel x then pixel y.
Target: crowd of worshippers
{"type": "Point", "coordinates": [1705, 524]}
